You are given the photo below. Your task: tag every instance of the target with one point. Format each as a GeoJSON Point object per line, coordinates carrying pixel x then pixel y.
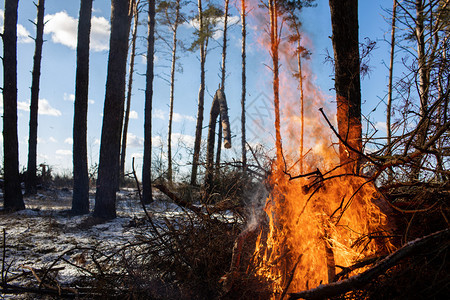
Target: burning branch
{"type": "Point", "coordinates": [360, 280]}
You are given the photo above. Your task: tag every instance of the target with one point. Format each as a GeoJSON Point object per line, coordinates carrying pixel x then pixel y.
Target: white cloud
{"type": "Point", "coordinates": [159, 114]}
{"type": "Point", "coordinates": [44, 108]}
{"type": "Point", "coordinates": [52, 139]}
{"type": "Point", "coordinates": [381, 126]}
{"type": "Point", "coordinates": [69, 97]}
{"type": "Point", "coordinates": [68, 141]}
{"type": "Point", "coordinates": [218, 29]}
{"type": "Point", "coordinates": [157, 141]}
{"type": "Point", "coordinates": [97, 142]}
{"type": "Point", "coordinates": [23, 35]}
{"type": "Point", "coordinates": [25, 106]}
{"type": "Point", "coordinates": [63, 30]}
{"type": "Point", "coordinates": [179, 117]}
{"type": "Point", "coordinates": [185, 139]}
{"type": "Point", "coordinates": [63, 152]}
{"type": "Point", "coordinates": [138, 155]}
{"type": "Point", "coordinates": [134, 141]}
{"type": "Point", "coordinates": [100, 34]}
{"type": "Point", "coordinates": [134, 115]}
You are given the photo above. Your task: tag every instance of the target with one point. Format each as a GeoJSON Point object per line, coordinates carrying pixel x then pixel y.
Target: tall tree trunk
{"type": "Point", "coordinates": [12, 192]}
{"type": "Point", "coordinates": [300, 86]}
{"type": "Point", "coordinates": [391, 78]}
{"type": "Point", "coordinates": [129, 90]}
{"type": "Point", "coordinates": [80, 200]}
{"type": "Point", "coordinates": [31, 179]}
{"type": "Point", "coordinates": [172, 90]}
{"type": "Point", "coordinates": [201, 100]}
{"type": "Point", "coordinates": [274, 42]}
{"type": "Point", "coordinates": [222, 83]}
{"type": "Point", "coordinates": [105, 198]}
{"type": "Point", "coordinates": [344, 21]}
{"type": "Point", "coordinates": [147, 164]}
{"type": "Point", "coordinates": [423, 73]}
{"type": "Point", "coordinates": [244, 83]}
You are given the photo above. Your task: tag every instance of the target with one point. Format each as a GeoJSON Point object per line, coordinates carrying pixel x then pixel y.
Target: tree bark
{"type": "Point", "coordinates": [222, 83]}
{"type": "Point", "coordinates": [172, 90]}
{"type": "Point", "coordinates": [80, 200]}
{"type": "Point", "coordinates": [147, 164]}
{"type": "Point", "coordinates": [391, 78]}
{"type": "Point", "coordinates": [129, 90]}
{"type": "Point", "coordinates": [344, 21]}
{"type": "Point", "coordinates": [274, 42]}
{"type": "Point", "coordinates": [31, 179]}
{"type": "Point", "coordinates": [201, 100]}
{"type": "Point", "coordinates": [219, 105]}
{"type": "Point", "coordinates": [105, 198]}
{"type": "Point", "coordinates": [12, 193]}
{"type": "Point", "coordinates": [244, 83]}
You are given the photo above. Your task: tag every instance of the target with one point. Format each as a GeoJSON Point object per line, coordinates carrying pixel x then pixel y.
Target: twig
{"type": "Point", "coordinates": [360, 280]}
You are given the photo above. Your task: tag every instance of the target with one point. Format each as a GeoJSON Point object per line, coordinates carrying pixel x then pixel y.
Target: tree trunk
{"type": "Point", "coordinates": [12, 192]}
{"type": "Point", "coordinates": [423, 73]}
{"type": "Point", "coordinates": [172, 90]}
{"type": "Point", "coordinates": [219, 105]}
{"type": "Point", "coordinates": [80, 200]}
{"type": "Point", "coordinates": [344, 21]}
{"type": "Point", "coordinates": [300, 86]}
{"type": "Point", "coordinates": [147, 164]}
{"type": "Point", "coordinates": [129, 90]}
{"type": "Point", "coordinates": [31, 179]}
{"type": "Point", "coordinates": [274, 42]}
{"type": "Point", "coordinates": [222, 84]}
{"type": "Point", "coordinates": [105, 198]}
{"type": "Point", "coordinates": [391, 78]}
{"type": "Point", "coordinates": [244, 79]}
{"type": "Point", "coordinates": [201, 100]}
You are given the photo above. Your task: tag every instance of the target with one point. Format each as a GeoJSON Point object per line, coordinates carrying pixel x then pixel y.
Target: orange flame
{"type": "Point", "coordinates": [319, 223]}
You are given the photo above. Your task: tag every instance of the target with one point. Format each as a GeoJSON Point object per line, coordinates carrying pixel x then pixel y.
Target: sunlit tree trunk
{"type": "Point", "coordinates": [244, 83]}
{"type": "Point", "coordinates": [147, 163]}
{"type": "Point", "coordinates": [201, 100]}
{"type": "Point", "coordinates": [129, 90]}
{"type": "Point", "coordinates": [274, 42]}
{"type": "Point", "coordinates": [344, 21]}
{"type": "Point", "coordinates": [80, 200]}
{"type": "Point", "coordinates": [12, 192]}
{"type": "Point", "coordinates": [105, 198]}
{"type": "Point", "coordinates": [222, 83]}
{"type": "Point", "coordinates": [172, 90]}
{"type": "Point", "coordinates": [31, 179]}
{"type": "Point", "coordinates": [423, 73]}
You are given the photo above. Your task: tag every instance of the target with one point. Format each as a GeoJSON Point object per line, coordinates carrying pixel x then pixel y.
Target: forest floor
{"type": "Point", "coordinates": [43, 235]}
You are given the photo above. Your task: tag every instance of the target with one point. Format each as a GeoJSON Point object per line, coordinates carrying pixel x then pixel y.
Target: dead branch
{"type": "Point", "coordinates": [180, 202]}
{"type": "Point", "coordinates": [360, 280]}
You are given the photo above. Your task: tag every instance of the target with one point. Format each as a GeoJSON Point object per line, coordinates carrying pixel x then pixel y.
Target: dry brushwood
{"type": "Point", "coordinates": [360, 280]}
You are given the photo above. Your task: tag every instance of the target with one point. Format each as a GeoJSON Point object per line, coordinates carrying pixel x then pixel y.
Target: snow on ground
{"type": "Point", "coordinates": [37, 236]}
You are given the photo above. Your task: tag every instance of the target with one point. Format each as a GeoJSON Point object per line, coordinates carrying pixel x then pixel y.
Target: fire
{"type": "Point", "coordinates": [315, 225]}
{"type": "Point", "coordinates": [323, 220]}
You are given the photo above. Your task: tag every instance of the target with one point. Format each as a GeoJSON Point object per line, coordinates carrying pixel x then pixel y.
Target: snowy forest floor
{"type": "Point", "coordinates": [43, 235]}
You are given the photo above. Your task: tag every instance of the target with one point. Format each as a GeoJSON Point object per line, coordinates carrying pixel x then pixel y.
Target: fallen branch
{"type": "Point", "coordinates": [177, 200]}
{"type": "Point", "coordinates": [360, 280]}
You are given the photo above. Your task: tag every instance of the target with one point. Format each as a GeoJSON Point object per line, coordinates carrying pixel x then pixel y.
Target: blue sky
{"type": "Point", "coordinates": [58, 79]}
